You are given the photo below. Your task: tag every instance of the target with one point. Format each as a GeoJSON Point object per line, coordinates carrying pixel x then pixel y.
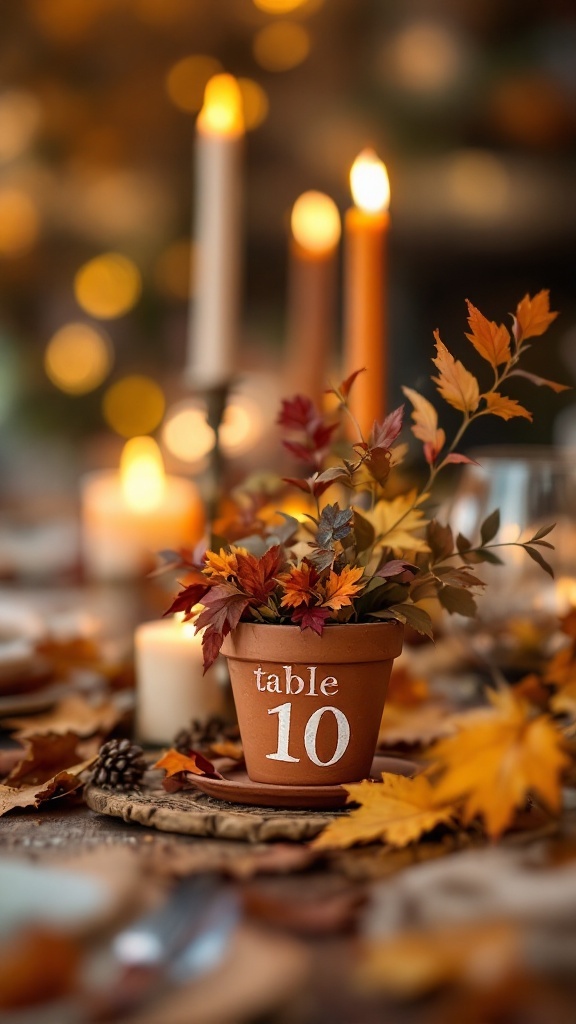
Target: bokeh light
{"type": "Point", "coordinates": [133, 405]}
{"type": "Point", "coordinates": [315, 222]}
{"type": "Point", "coordinates": [255, 103]}
{"type": "Point", "coordinates": [279, 6]}
{"type": "Point", "coordinates": [173, 269]}
{"type": "Point", "coordinates": [424, 57]}
{"type": "Point", "coordinates": [19, 119]}
{"type": "Point", "coordinates": [241, 426]}
{"type": "Point", "coordinates": [187, 80]}
{"type": "Point", "coordinates": [19, 222]}
{"type": "Point", "coordinates": [78, 358]}
{"type": "Point", "coordinates": [478, 184]}
{"type": "Point", "coordinates": [369, 183]}
{"type": "Point", "coordinates": [108, 286]}
{"type": "Point", "coordinates": [142, 474]}
{"type": "Point", "coordinates": [186, 433]}
{"type": "Point", "coordinates": [281, 46]}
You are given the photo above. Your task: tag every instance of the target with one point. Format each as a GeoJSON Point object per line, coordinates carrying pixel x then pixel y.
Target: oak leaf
{"type": "Point", "coordinates": [397, 811]}
{"type": "Point", "coordinates": [46, 755]}
{"type": "Point", "coordinates": [506, 408]}
{"type": "Point", "coordinates": [73, 714]}
{"type": "Point", "coordinates": [491, 341]}
{"type": "Point", "coordinates": [533, 316]}
{"type": "Point", "coordinates": [500, 756]}
{"type": "Point", "coordinates": [456, 384]}
{"type": "Point", "coordinates": [340, 588]}
{"type": "Point", "coordinates": [397, 523]}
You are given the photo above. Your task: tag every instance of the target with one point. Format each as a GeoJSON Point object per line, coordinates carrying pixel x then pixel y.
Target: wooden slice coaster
{"type": "Point", "coordinates": [193, 813]}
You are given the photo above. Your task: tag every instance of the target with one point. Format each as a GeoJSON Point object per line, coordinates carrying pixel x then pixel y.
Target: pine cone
{"type": "Point", "coordinates": [201, 735]}
{"type": "Point", "coordinates": [120, 765]}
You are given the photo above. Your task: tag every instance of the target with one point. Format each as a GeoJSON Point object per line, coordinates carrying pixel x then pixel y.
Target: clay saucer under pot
{"type": "Point", "coordinates": [236, 787]}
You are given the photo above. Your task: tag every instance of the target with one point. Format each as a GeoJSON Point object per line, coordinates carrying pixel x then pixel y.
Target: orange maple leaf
{"type": "Point", "coordinates": [341, 588]}
{"type": "Point", "coordinates": [506, 408]}
{"type": "Point", "coordinates": [491, 340]}
{"type": "Point", "coordinates": [299, 585]}
{"type": "Point", "coordinates": [396, 811]}
{"type": "Point", "coordinates": [174, 763]}
{"type": "Point", "coordinates": [533, 316]}
{"type": "Point", "coordinates": [456, 384]}
{"type": "Point", "coordinates": [425, 426]}
{"type": "Point", "coordinates": [499, 756]}
{"type": "Point", "coordinates": [224, 564]}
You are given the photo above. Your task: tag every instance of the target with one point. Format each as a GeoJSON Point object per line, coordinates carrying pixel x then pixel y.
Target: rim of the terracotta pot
{"type": "Point", "coordinates": [350, 642]}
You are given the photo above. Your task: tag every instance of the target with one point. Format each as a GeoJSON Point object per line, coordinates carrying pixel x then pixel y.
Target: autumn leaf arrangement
{"type": "Point", "coordinates": [375, 555]}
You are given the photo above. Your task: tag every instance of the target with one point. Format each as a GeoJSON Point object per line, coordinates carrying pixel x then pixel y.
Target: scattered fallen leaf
{"type": "Point", "coordinates": [179, 767]}
{"type": "Point", "coordinates": [413, 963]}
{"type": "Point", "coordinates": [66, 655]}
{"type": "Point", "coordinates": [397, 811]}
{"type": "Point", "coordinates": [73, 714]}
{"type": "Point", "coordinates": [229, 749]}
{"type": "Point", "coordinates": [406, 689]}
{"type": "Point", "coordinates": [61, 784]}
{"type": "Point", "coordinates": [498, 757]}
{"type": "Point", "coordinates": [414, 726]}
{"type": "Point", "coordinates": [47, 755]}
{"type": "Point", "coordinates": [37, 965]}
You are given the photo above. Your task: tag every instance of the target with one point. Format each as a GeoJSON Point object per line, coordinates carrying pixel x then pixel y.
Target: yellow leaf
{"type": "Point", "coordinates": [533, 316]}
{"type": "Point", "coordinates": [425, 426]}
{"type": "Point", "coordinates": [224, 564]}
{"type": "Point", "coordinates": [415, 726]}
{"type": "Point", "coordinates": [396, 522]}
{"type": "Point", "coordinates": [341, 588]}
{"type": "Point", "coordinates": [412, 963]}
{"type": "Point", "coordinates": [491, 340]}
{"type": "Point", "coordinates": [499, 756]}
{"type": "Point", "coordinates": [396, 811]}
{"type": "Point", "coordinates": [506, 408]}
{"type": "Point", "coordinates": [456, 384]}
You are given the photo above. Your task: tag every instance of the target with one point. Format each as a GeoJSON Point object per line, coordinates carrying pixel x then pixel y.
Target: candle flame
{"type": "Point", "coordinates": [222, 113]}
{"type": "Point", "coordinates": [142, 474]}
{"type": "Point", "coordinates": [315, 222]}
{"type": "Point", "coordinates": [188, 629]}
{"type": "Point", "coordinates": [369, 183]}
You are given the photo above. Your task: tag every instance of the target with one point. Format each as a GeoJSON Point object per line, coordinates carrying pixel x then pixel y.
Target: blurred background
{"type": "Point", "coordinates": [472, 107]}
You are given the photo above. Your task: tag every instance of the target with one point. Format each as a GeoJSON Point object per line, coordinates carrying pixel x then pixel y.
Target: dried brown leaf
{"type": "Point", "coordinates": [73, 714]}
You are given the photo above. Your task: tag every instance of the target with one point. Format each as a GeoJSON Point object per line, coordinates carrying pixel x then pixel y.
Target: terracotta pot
{"type": "Point", "coordinates": [309, 707]}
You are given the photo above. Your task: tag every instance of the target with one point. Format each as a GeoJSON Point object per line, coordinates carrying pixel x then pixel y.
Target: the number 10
{"type": "Point", "coordinates": [310, 734]}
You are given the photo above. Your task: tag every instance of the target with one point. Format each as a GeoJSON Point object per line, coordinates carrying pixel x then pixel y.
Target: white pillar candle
{"type": "Point", "coordinates": [130, 515]}
{"type": "Point", "coordinates": [216, 268]}
{"type": "Point", "coordinates": [171, 689]}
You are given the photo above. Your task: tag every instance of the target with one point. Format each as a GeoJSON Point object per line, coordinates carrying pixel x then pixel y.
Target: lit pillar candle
{"type": "Point", "coordinates": [171, 689]}
{"type": "Point", "coordinates": [216, 283]}
{"type": "Point", "coordinates": [365, 340]}
{"type": "Point", "coordinates": [314, 236]}
{"type": "Point", "coordinates": [130, 515]}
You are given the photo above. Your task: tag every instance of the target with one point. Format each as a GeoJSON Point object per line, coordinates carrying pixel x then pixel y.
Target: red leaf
{"type": "Point", "coordinates": [297, 413]}
{"type": "Point", "coordinates": [256, 575]}
{"type": "Point", "coordinates": [344, 388]}
{"type": "Point", "coordinates": [300, 451]}
{"type": "Point", "coordinates": [394, 568]}
{"type": "Point", "coordinates": [223, 608]}
{"type": "Point", "coordinates": [310, 618]}
{"type": "Point", "coordinates": [457, 457]}
{"type": "Point", "coordinates": [384, 434]}
{"type": "Point", "coordinates": [322, 434]}
{"type": "Point", "coordinates": [302, 485]}
{"type": "Point", "coordinates": [187, 598]}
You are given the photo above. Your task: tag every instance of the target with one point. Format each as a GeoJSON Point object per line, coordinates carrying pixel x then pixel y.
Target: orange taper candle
{"type": "Point", "coordinates": [314, 236]}
{"type": "Point", "coordinates": [365, 340]}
